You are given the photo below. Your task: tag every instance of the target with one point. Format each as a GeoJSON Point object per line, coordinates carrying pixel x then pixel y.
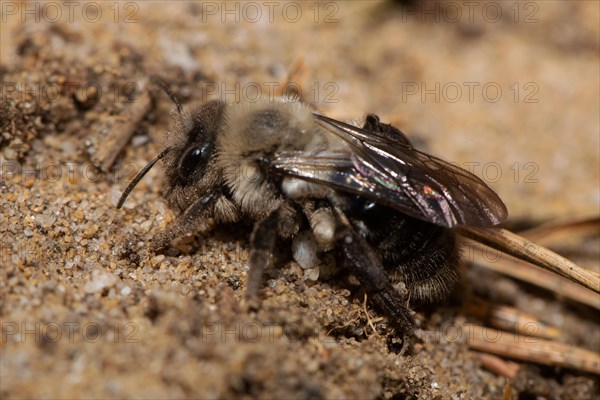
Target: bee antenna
{"type": "Point", "coordinates": [139, 177]}
{"type": "Point", "coordinates": [167, 89]}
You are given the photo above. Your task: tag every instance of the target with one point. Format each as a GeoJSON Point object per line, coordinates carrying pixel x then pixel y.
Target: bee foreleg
{"type": "Point", "coordinates": [367, 268]}
{"type": "Point", "coordinates": [262, 243]}
{"type": "Point", "coordinates": [187, 224]}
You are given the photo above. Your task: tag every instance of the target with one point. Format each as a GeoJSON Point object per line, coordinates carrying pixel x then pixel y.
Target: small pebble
{"type": "Point", "coordinates": [311, 274]}
{"type": "Point", "coordinates": [100, 280]}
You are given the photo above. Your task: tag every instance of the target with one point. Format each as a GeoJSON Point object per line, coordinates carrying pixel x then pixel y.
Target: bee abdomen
{"type": "Point", "coordinates": [427, 261]}
{"type": "Point", "coordinates": [422, 255]}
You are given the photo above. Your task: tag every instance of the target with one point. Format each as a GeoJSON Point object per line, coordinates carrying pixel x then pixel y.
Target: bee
{"type": "Point", "coordinates": [384, 209]}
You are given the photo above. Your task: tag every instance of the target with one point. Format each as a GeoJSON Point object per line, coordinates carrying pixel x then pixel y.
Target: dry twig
{"type": "Point", "coordinates": [295, 81]}
{"type": "Point", "coordinates": [557, 233]}
{"type": "Point", "coordinates": [511, 319]}
{"type": "Point", "coordinates": [526, 348]}
{"type": "Point", "coordinates": [523, 249]}
{"type": "Point", "coordinates": [118, 129]}
{"type": "Point", "coordinates": [497, 365]}
{"type": "Point", "coordinates": [539, 277]}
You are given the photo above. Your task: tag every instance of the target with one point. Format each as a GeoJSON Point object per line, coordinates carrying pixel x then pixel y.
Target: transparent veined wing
{"type": "Point", "coordinates": [398, 176]}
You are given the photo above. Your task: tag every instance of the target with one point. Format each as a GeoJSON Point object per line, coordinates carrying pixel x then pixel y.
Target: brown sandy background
{"type": "Point", "coordinates": [508, 89]}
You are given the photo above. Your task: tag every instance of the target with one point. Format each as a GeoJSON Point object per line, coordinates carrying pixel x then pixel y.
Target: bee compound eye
{"type": "Point", "coordinates": [194, 160]}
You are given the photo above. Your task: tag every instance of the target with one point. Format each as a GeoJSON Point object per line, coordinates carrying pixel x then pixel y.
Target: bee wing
{"type": "Point", "coordinates": [397, 176]}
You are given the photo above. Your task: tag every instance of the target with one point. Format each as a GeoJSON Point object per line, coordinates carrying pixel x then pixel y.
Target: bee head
{"type": "Point", "coordinates": [190, 163]}
{"type": "Point", "coordinates": [189, 152]}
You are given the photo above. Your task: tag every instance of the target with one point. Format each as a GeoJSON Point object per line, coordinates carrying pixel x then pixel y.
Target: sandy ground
{"type": "Point", "coordinates": [510, 90]}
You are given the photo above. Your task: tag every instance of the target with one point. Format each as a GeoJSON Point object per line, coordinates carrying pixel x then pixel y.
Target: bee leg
{"type": "Point", "coordinates": [367, 268]}
{"type": "Point", "coordinates": [187, 224]}
{"type": "Point", "coordinates": [372, 124]}
{"type": "Point", "coordinates": [262, 243]}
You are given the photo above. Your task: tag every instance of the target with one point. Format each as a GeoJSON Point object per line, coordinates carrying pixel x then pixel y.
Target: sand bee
{"type": "Point", "coordinates": [365, 194]}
